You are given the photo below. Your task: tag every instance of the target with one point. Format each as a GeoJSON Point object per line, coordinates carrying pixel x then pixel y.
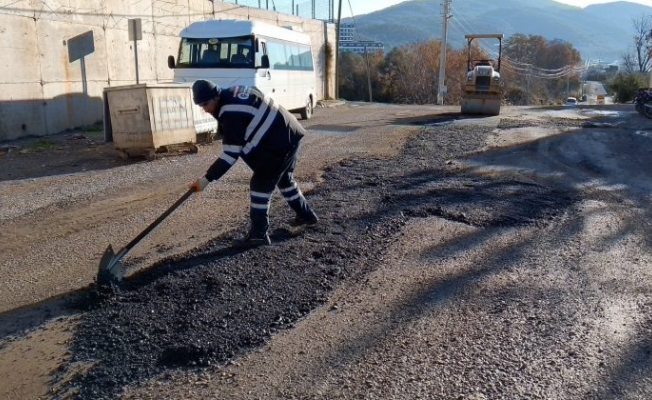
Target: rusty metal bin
{"type": "Point", "coordinates": [144, 119]}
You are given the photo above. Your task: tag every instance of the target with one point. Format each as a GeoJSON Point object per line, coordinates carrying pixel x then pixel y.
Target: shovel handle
{"type": "Point", "coordinates": [158, 221]}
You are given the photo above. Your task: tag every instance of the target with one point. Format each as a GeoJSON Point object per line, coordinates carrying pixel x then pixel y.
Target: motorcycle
{"type": "Point", "coordinates": [643, 102]}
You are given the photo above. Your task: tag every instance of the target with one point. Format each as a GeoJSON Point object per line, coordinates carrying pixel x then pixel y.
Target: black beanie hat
{"type": "Point", "coordinates": [203, 90]}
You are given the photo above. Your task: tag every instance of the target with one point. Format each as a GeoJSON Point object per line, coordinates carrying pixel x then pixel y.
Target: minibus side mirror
{"type": "Point", "coordinates": [171, 62]}
{"type": "Point", "coordinates": [264, 61]}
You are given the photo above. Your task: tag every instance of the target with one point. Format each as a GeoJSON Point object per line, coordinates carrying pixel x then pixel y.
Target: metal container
{"type": "Point", "coordinates": [205, 125]}
{"type": "Point", "coordinates": [146, 119]}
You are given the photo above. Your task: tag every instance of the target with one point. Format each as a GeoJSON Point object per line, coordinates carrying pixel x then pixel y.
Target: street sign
{"type": "Point", "coordinates": [135, 29]}
{"type": "Point", "coordinates": [80, 46]}
{"type": "Point", "coordinates": [135, 34]}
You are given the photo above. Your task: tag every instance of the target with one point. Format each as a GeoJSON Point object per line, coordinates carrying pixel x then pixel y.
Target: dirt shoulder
{"type": "Point", "coordinates": [491, 258]}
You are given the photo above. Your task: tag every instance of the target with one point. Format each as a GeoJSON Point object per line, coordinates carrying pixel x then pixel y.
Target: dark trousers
{"type": "Point", "coordinates": [279, 172]}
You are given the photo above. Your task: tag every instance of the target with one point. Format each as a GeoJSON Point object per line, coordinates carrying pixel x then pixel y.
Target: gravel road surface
{"type": "Point", "coordinates": [485, 258]}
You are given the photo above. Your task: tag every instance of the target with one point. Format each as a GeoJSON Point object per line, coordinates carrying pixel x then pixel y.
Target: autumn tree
{"type": "Point", "coordinates": [356, 72]}
{"type": "Point", "coordinates": [411, 73]}
{"type": "Point", "coordinates": [538, 70]}
{"type": "Point", "coordinates": [456, 69]}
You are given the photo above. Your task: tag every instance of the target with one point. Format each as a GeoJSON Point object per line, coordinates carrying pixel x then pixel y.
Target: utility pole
{"type": "Point", "coordinates": [366, 56]}
{"type": "Point", "coordinates": [568, 82]}
{"type": "Point", "coordinates": [441, 90]}
{"type": "Point", "coordinates": [337, 51]}
{"type": "Point", "coordinates": [527, 89]}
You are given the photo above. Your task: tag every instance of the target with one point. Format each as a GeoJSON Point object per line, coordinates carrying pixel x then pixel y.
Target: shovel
{"type": "Point", "coordinates": [110, 268]}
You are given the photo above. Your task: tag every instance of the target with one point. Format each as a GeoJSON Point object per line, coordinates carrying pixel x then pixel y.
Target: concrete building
{"type": "Point", "coordinates": [362, 47]}
{"type": "Point", "coordinates": [57, 59]}
{"type": "Point", "coordinates": [347, 31]}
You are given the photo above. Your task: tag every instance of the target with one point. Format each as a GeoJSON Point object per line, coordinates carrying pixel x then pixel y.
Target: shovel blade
{"type": "Point", "coordinates": [110, 269]}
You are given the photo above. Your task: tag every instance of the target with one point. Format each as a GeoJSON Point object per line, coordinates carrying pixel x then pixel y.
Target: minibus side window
{"type": "Point", "coordinates": [306, 59]}
{"type": "Point", "coordinates": [277, 57]}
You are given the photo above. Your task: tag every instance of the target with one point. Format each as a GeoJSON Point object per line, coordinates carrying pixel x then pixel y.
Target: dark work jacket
{"type": "Point", "coordinates": [255, 128]}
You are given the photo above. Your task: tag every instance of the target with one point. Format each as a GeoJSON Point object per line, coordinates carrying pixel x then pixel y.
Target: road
{"type": "Point", "coordinates": [592, 90]}
{"type": "Point", "coordinates": [501, 257]}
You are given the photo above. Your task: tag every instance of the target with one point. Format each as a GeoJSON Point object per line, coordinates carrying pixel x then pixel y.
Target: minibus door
{"type": "Point", "coordinates": [268, 80]}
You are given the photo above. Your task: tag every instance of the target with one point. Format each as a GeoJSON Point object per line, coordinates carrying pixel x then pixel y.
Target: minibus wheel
{"type": "Point", "coordinates": [306, 112]}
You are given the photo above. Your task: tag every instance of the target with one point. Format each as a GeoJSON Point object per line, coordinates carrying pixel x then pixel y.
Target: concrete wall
{"type": "Point", "coordinates": [42, 92]}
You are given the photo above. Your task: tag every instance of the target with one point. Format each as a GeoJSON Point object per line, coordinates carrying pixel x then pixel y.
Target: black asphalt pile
{"type": "Point", "coordinates": [207, 307]}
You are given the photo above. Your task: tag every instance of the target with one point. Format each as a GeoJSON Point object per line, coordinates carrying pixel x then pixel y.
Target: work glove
{"type": "Point", "coordinates": [199, 184]}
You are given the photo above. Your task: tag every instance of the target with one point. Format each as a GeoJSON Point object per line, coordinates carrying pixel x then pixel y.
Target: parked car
{"type": "Point", "coordinates": [570, 102]}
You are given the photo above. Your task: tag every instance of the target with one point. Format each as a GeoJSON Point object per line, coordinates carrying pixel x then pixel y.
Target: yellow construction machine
{"type": "Point", "coordinates": [481, 94]}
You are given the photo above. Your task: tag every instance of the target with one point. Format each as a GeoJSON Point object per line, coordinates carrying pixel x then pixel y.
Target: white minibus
{"type": "Point", "coordinates": [276, 60]}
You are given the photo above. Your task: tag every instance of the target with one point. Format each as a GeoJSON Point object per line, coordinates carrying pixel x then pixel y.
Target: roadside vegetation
{"type": "Point", "coordinates": [534, 71]}
{"type": "Point", "coordinates": [636, 66]}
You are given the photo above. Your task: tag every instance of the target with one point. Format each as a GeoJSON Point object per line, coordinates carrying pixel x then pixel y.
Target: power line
{"type": "Point", "coordinates": [484, 44]}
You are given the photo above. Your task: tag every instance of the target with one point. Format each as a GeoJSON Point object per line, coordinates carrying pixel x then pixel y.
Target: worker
{"type": "Point", "coordinates": [267, 137]}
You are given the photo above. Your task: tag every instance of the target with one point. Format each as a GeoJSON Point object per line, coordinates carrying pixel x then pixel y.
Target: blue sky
{"type": "Point", "coordinates": [367, 6]}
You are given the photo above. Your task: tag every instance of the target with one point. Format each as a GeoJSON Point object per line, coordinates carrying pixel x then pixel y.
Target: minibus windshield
{"type": "Point", "coordinates": [233, 52]}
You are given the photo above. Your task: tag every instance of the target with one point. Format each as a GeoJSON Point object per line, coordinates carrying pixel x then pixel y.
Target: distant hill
{"type": "Point", "coordinates": [602, 31]}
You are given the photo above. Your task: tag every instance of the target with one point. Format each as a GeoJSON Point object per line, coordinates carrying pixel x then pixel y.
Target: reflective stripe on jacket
{"type": "Point", "coordinates": [253, 127]}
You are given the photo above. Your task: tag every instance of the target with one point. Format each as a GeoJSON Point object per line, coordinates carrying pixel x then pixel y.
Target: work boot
{"type": "Point", "coordinates": [251, 241]}
{"type": "Point", "coordinates": [307, 220]}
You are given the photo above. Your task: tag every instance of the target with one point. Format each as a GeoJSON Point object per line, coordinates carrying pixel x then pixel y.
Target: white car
{"type": "Point", "coordinates": [570, 102]}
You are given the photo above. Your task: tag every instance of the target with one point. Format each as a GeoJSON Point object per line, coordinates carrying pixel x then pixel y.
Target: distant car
{"type": "Point", "coordinates": [570, 102]}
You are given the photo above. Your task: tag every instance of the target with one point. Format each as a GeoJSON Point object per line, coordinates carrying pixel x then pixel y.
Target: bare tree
{"type": "Point", "coordinates": [629, 63]}
{"type": "Point", "coordinates": [643, 42]}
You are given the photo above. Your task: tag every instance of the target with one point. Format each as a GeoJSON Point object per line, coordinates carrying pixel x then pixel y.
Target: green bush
{"type": "Point", "coordinates": [625, 85]}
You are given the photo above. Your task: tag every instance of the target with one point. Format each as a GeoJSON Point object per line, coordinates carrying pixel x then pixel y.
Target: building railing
{"type": "Point", "coordinates": [313, 9]}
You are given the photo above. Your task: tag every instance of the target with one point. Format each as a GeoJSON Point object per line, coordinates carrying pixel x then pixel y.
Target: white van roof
{"type": "Point", "coordinates": [219, 28]}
